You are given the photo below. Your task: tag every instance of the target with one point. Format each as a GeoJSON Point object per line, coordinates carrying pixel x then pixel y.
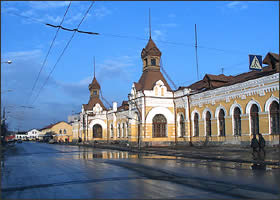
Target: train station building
{"type": "Point", "coordinates": [218, 109]}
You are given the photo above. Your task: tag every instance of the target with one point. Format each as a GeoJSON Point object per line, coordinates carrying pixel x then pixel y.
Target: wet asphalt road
{"type": "Point", "coordinates": [44, 171]}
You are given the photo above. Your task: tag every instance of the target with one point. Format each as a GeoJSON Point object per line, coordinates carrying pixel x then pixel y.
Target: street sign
{"type": "Point", "coordinates": [255, 62]}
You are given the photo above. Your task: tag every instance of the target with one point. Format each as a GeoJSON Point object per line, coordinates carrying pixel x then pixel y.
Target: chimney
{"type": "Point", "coordinates": [115, 106]}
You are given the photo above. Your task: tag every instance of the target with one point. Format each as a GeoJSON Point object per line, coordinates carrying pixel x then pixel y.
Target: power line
{"type": "Point", "coordinates": [48, 52]}
{"type": "Point", "coordinates": [68, 29]}
{"type": "Point", "coordinates": [131, 37]}
{"type": "Point", "coordinates": [27, 17]}
{"type": "Point", "coordinates": [167, 76]}
{"type": "Point", "coordinates": [103, 98]}
{"type": "Point", "coordinates": [63, 52]}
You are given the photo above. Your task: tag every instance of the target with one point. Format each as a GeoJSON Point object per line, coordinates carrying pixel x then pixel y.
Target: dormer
{"type": "Point", "coordinates": [159, 88]}
{"type": "Point", "coordinates": [151, 56]}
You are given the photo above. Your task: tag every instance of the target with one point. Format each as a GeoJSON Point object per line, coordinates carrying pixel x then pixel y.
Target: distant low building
{"type": "Point", "coordinates": [60, 131]}
{"type": "Point", "coordinates": [21, 136]}
{"type": "Point", "coordinates": [33, 134]}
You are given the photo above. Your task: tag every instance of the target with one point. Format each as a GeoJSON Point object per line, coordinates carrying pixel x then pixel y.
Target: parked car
{"type": "Point", "coordinates": [51, 141]}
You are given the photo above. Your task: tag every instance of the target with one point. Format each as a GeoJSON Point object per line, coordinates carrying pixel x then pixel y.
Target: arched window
{"type": "Point", "coordinates": [254, 113]}
{"type": "Point", "coordinates": [162, 91]}
{"type": "Point", "coordinates": [222, 126]}
{"type": "Point", "coordinates": [64, 131]}
{"type": "Point", "coordinates": [119, 130]}
{"type": "Point", "coordinates": [237, 121]}
{"type": "Point", "coordinates": [156, 91]}
{"type": "Point", "coordinates": [208, 124]}
{"type": "Point", "coordinates": [159, 126]}
{"type": "Point", "coordinates": [60, 131]}
{"type": "Point", "coordinates": [97, 131]}
{"type": "Point", "coordinates": [123, 130]}
{"type": "Point", "coordinates": [127, 129]}
{"type": "Point", "coordinates": [153, 62]}
{"type": "Point", "coordinates": [274, 117]}
{"type": "Point", "coordinates": [196, 126]}
{"type": "Point", "coordinates": [182, 126]}
{"type": "Point", "coordinates": [112, 131]}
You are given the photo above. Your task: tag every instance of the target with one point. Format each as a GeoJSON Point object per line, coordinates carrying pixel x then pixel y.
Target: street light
{"type": "Point", "coordinates": [6, 91]}
{"type": "Point", "coordinates": [8, 62]}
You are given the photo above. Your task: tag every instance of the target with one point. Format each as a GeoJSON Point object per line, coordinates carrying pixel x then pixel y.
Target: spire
{"type": "Point", "coordinates": [150, 23]}
{"type": "Point", "coordinates": [94, 66]}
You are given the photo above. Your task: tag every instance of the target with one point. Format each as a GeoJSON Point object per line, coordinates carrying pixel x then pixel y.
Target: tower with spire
{"type": "Point", "coordinates": [150, 56]}
{"type": "Point", "coordinates": [94, 89]}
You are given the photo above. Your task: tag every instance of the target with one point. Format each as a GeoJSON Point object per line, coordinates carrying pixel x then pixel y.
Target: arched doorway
{"type": "Point", "coordinates": [97, 131]}
{"type": "Point", "coordinates": [159, 126]}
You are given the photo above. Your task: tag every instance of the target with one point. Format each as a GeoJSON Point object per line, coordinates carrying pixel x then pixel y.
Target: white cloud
{"type": "Point", "coordinates": [169, 25]}
{"type": "Point", "coordinates": [40, 5]}
{"type": "Point", "coordinates": [101, 12]}
{"type": "Point", "coordinates": [23, 55]}
{"type": "Point", "coordinates": [52, 19]}
{"type": "Point", "coordinates": [158, 35]}
{"type": "Point", "coordinates": [117, 68]}
{"type": "Point", "coordinates": [171, 15]}
{"type": "Point", "coordinates": [237, 5]}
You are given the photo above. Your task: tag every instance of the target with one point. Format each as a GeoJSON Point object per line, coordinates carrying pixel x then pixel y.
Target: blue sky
{"type": "Point", "coordinates": [227, 32]}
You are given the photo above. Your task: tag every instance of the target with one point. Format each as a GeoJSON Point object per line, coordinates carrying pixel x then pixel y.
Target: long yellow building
{"type": "Point", "coordinates": [218, 109]}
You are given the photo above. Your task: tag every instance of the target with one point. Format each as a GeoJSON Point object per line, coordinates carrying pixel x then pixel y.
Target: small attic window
{"type": "Point", "coordinates": [153, 62]}
{"type": "Point", "coordinates": [94, 92]}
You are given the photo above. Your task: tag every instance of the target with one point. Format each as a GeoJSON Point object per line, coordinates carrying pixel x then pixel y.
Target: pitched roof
{"type": "Point", "coordinates": [51, 125]}
{"type": "Point", "coordinates": [150, 49]}
{"type": "Point", "coordinates": [92, 102]}
{"type": "Point", "coordinates": [272, 59]}
{"type": "Point", "coordinates": [149, 78]}
{"type": "Point", "coordinates": [215, 81]}
{"type": "Point", "coordinates": [124, 106]}
{"type": "Point", "coordinates": [94, 84]}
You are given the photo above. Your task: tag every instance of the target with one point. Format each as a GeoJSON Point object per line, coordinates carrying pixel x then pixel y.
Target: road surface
{"type": "Point", "coordinates": [49, 171]}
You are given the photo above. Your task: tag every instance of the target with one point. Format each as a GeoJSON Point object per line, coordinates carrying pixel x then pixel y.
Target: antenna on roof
{"type": "Point", "coordinates": [94, 66]}
{"type": "Point", "coordinates": [222, 70]}
{"type": "Point", "coordinates": [196, 52]}
{"type": "Point", "coordinates": [150, 23]}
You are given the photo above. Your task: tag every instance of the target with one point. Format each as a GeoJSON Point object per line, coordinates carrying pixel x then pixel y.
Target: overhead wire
{"type": "Point", "coordinates": [44, 62]}
{"type": "Point", "coordinates": [133, 37]}
{"type": "Point", "coordinates": [62, 53]}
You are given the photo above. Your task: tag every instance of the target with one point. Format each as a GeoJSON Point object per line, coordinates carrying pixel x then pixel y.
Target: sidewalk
{"type": "Point", "coordinates": [219, 153]}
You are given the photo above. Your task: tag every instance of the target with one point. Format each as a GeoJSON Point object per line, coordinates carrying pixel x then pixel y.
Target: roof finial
{"type": "Point", "coordinates": [94, 66]}
{"type": "Point", "coordinates": [150, 23]}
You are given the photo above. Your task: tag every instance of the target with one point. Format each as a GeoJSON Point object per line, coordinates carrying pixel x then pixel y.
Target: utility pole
{"type": "Point", "coordinates": [196, 52]}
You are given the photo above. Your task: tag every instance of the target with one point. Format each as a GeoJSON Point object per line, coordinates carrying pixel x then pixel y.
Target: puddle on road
{"type": "Point", "coordinates": [187, 162]}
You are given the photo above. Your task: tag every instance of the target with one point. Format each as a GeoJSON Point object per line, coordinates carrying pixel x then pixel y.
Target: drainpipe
{"type": "Point", "coordinates": [107, 127]}
{"type": "Point", "coordinates": [87, 127]}
{"type": "Point", "coordinates": [84, 128]}
{"type": "Point", "coordinates": [175, 119]}
{"type": "Point", "coordinates": [189, 110]}
{"type": "Point", "coordinates": [144, 114]}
